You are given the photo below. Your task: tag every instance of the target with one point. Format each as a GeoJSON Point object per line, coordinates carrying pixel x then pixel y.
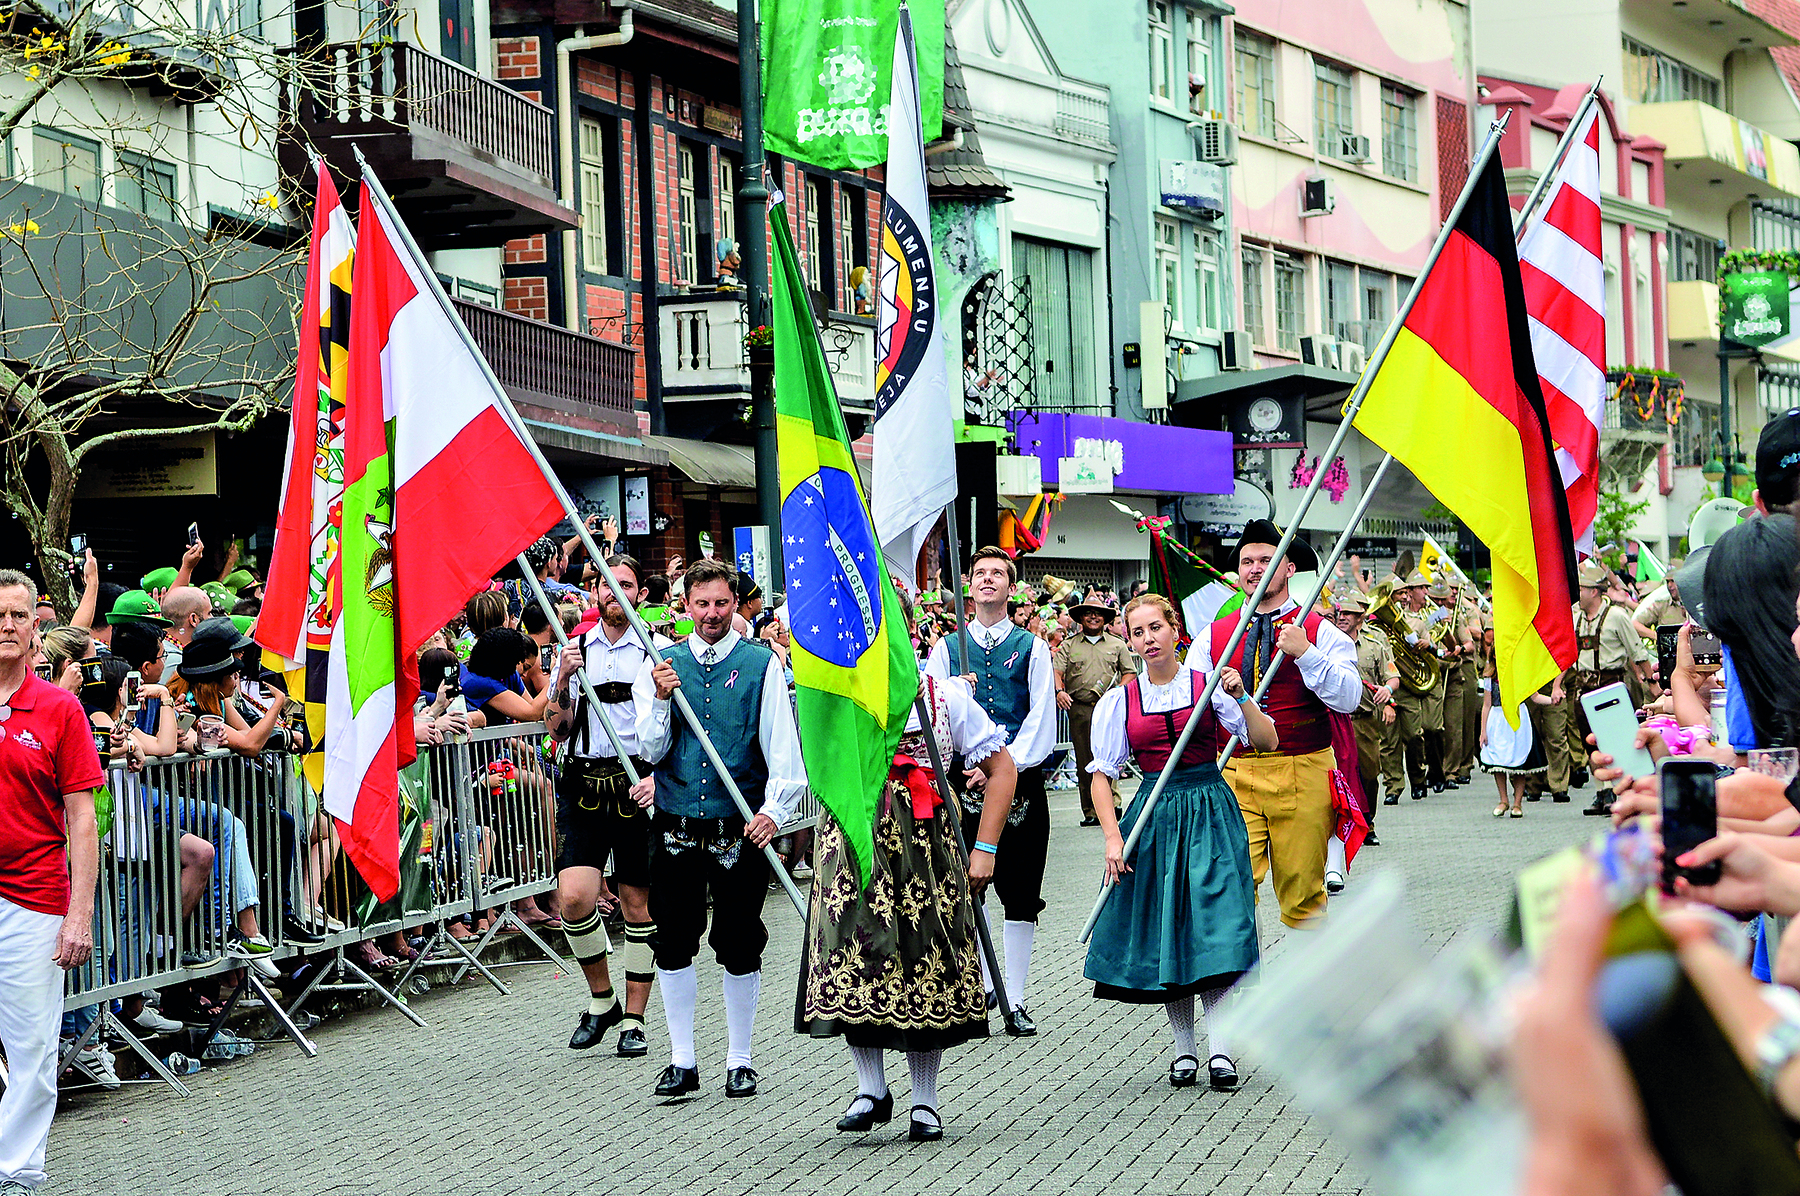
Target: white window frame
{"type": "Point", "coordinates": [1252, 263]}
{"type": "Point", "coordinates": [687, 213]}
{"type": "Point", "coordinates": [1168, 269]}
{"type": "Point", "coordinates": [1399, 132]}
{"type": "Point", "coordinates": [1200, 62]}
{"type": "Point", "coordinates": [1162, 51]}
{"type": "Point", "coordinates": [1290, 283]}
{"type": "Point", "coordinates": [1209, 289]}
{"type": "Point", "coordinates": [1252, 51]}
{"type": "Point", "coordinates": [1334, 116]}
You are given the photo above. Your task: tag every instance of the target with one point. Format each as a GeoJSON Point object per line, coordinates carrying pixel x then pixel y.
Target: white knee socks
{"type": "Point", "coordinates": [1018, 959]}
{"type": "Point", "coordinates": [1334, 856]}
{"type": "Point", "coordinates": [680, 992]}
{"type": "Point", "coordinates": [924, 1068]}
{"type": "Point", "coordinates": [740, 1015]}
{"type": "Point", "coordinates": [871, 1070]}
{"type": "Point", "coordinates": [1181, 1021]}
{"type": "Point", "coordinates": [1210, 1000]}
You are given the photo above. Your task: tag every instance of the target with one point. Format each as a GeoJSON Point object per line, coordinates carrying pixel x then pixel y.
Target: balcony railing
{"type": "Point", "coordinates": [703, 348]}
{"type": "Point", "coordinates": [1081, 114]}
{"type": "Point", "coordinates": [396, 87]}
{"type": "Point", "coordinates": [543, 361]}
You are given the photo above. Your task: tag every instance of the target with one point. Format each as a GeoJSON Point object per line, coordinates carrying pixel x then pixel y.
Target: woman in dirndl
{"type": "Point", "coordinates": [1183, 922]}
{"type": "Point", "coordinates": [1512, 755]}
{"type": "Point", "coordinates": [895, 965]}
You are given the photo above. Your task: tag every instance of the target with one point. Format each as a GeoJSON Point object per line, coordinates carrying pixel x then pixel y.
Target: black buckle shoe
{"type": "Point", "coordinates": [1223, 1076]}
{"type": "Point", "coordinates": [740, 1081]}
{"type": "Point", "coordinates": [1369, 840]}
{"type": "Point", "coordinates": [881, 1112]}
{"type": "Point", "coordinates": [632, 1042]}
{"type": "Point", "coordinates": [1184, 1077]}
{"type": "Point", "coordinates": [593, 1027]}
{"type": "Point", "coordinates": [1020, 1025]}
{"type": "Point", "coordinates": [926, 1131]}
{"type": "Point", "coordinates": [677, 1081]}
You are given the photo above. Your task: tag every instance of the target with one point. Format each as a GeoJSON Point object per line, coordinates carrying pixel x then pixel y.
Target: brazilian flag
{"type": "Point", "coordinates": [855, 675]}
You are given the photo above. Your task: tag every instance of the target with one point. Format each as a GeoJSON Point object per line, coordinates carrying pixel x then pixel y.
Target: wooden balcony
{"type": "Point", "coordinates": [573, 379]}
{"type": "Point", "coordinates": [470, 163]}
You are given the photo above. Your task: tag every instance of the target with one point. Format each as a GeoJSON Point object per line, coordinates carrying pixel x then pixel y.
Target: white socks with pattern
{"type": "Point", "coordinates": [1181, 1021]}
{"type": "Point", "coordinates": [1210, 1000]}
{"type": "Point", "coordinates": [924, 1068]}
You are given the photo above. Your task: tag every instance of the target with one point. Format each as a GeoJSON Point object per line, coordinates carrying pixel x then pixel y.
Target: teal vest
{"type": "Point", "coordinates": [1002, 677]}
{"type": "Point", "coordinates": [727, 695]}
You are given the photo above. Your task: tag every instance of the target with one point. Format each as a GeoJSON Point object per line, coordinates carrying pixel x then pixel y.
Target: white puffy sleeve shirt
{"type": "Point", "coordinates": [1111, 748]}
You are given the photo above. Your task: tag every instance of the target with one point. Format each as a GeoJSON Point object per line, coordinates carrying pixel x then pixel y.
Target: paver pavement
{"type": "Point", "coordinates": [489, 1101]}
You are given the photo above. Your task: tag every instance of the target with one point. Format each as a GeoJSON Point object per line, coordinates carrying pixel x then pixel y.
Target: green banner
{"type": "Point", "coordinates": [828, 74]}
{"type": "Point", "coordinates": [1754, 306]}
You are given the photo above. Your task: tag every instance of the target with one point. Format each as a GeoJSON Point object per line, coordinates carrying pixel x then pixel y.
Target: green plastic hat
{"type": "Point", "coordinates": [654, 615]}
{"type": "Point", "coordinates": [218, 594]}
{"type": "Point", "coordinates": [158, 579]}
{"type": "Point", "coordinates": [135, 606]}
{"type": "Point", "coordinates": [236, 580]}
{"type": "Point", "coordinates": [684, 627]}
{"type": "Point", "coordinates": [243, 623]}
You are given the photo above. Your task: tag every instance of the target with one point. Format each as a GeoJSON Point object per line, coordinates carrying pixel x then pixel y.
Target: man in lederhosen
{"type": "Point", "coordinates": [701, 848]}
{"type": "Point", "coordinates": [1608, 650]}
{"type": "Point", "coordinates": [1014, 682]}
{"type": "Point", "coordinates": [599, 814]}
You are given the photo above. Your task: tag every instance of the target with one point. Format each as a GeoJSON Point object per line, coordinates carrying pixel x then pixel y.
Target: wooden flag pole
{"type": "Point", "coordinates": [504, 403]}
{"type": "Point", "coordinates": [954, 812]}
{"type": "Point", "coordinates": [1350, 408]}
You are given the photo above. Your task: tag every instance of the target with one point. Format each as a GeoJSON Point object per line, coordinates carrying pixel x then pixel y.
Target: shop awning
{"type": "Point", "coordinates": [563, 442]}
{"type": "Point", "coordinates": [709, 463]}
{"type": "Point", "coordinates": [1322, 387]}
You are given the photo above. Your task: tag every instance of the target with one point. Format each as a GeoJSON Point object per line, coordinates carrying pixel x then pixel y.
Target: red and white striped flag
{"type": "Point", "coordinates": [1565, 292]}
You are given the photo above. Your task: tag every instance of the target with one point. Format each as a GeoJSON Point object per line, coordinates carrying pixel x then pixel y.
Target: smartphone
{"type": "Point", "coordinates": [184, 721]}
{"type": "Point", "coordinates": [134, 681]}
{"type": "Point", "coordinates": [1668, 646]}
{"type": "Point", "coordinates": [1614, 723]}
{"type": "Point", "coordinates": [1707, 652]}
{"type": "Point", "coordinates": [1690, 816]}
{"type": "Point", "coordinates": [193, 534]}
{"type": "Point", "coordinates": [547, 659]}
{"type": "Point", "coordinates": [78, 545]}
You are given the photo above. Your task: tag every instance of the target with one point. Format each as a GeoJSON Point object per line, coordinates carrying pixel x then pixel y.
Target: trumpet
{"type": "Point", "coordinates": [1419, 666]}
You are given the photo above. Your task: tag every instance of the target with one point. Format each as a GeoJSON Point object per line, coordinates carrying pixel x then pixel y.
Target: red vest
{"type": "Point", "coordinates": [1302, 721]}
{"type": "Point", "coordinates": [1152, 736]}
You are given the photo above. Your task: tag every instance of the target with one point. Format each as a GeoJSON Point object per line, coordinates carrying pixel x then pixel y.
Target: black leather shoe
{"type": "Point", "coordinates": [1561, 795]}
{"type": "Point", "coordinates": [1601, 807]}
{"type": "Point", "coordinates": [1437, 786]}
{"type": "Point", "coordinates": [1578, 779]}
{"type": "Point", "coordinates": [740, 1081]}
{"type": "Point", "coordinates": [1418, 793]}
{"type": "Point", "coordinates": [1222, 1072]}
{"type": "Point", "coordinates": [1534, 797]}
{"type": "Point", "coordinates": [593, 1027]}
{"type": "Point", "coordinates": [993, 999]}
{"type": "Point", "coordinates": [1181, 1075]}
{"type": "Point", "coordinates": [294, 931]}
{"type": "Point", "coordinates": [632, 1043]}
{"type": "Point", "coordinates": [1392, 799]}
{"type": "Point", "coordinates": [1369, 840]}
{"type": "Point", "coordinates": [926, 1131]}
{"type": "Point", "coordinates": [1020, 1024]}
{"type": "Point", "coordinates": [862, 1123]}
{"type": "Point", "coordinates": [676, 1081]}
{"type": "Point", "coordinates": [1090, 820]}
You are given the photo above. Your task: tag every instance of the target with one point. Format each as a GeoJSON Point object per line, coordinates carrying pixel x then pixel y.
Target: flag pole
{"type": "Point", "coordinates": [1351, 406]}
{"type": "Point", "coordinates": [587, 685]}
{"type": "Point", "coordinates": [504, 404]}
{"type": "Point", "coordinates": [962, 850]}
{"type": "Point", "coordinates": [956, 590]}
{"type": "Point", "coordinates": [1542, 187]}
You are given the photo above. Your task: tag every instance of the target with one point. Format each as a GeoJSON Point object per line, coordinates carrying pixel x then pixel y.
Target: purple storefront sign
{"type": "Point", "coordinates": [1149, 458]}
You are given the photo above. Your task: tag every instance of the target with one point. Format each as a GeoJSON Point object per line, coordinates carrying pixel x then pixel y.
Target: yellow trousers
{"type": "Point", "coordinates": [1286, 802]}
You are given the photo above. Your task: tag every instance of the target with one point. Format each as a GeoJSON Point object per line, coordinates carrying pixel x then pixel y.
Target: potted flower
{"type": "Point", "coordinates": [1641, 390]}
{"type": "Point", "coordinates": [759, 343]}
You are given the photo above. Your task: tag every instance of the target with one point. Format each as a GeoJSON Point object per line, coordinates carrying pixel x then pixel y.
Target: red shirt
{"type": "Point", "coordinates": [46, 750]}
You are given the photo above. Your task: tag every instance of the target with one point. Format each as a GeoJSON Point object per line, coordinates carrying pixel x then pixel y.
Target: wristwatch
{"type": "Point", "coordinates": [1778, 1044]}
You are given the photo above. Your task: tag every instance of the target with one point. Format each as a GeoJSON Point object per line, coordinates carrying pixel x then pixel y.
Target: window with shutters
{"type": "Point", "coordinates": [726, 189]}
{"type": "Point", "coordinates": [1399, 133]}
{"type": "Point", "coordinates": [593, 195]}
{"type": "Point", "coordinates": [1255, 83]}
{"type": "Point", "coordinates": [1252, 261]}
{"type": "Point", "coordinates": [687, 214]}
{"type": "Point", "coordinates": [819, 244]}
{"type": "Point", "coordinates": [849, 248]}
{"type": "Point", "coordinates": [1061, 280]}
{"type": "Point", "coordinates": [1452, 152]}
{"type": "Point", "coordinates": [1332, 107]}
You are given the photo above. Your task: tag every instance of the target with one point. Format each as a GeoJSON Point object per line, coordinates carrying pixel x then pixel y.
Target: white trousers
{"type": "Point", "coordinates": [31, 1001]}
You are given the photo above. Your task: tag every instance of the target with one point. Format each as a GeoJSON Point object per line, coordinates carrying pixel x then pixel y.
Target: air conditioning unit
{"type": "Point", "coordinates": [1319, 350]}
{"type": "Point", "coordinates": [1215, 141]}
{"type": "Point", "coordinates": [1317, 197]}
{"type": "Point", "coordinates": [1351, 357]}
{"type": "Point", "coordinates": [1353, 148]}
{"type": "Point", "coordinates": [1234, 351]}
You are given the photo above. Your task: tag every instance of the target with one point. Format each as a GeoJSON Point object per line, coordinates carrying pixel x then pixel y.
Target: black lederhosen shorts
{"type": "Point", "coordinates": [595, 816]}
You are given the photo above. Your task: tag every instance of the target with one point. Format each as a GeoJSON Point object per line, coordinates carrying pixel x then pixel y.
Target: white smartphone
{"type": "Point", "coordinates": [1613, 720]}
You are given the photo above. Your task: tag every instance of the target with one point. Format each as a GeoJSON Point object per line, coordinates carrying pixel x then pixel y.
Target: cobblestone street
{"type": "Point", "coordinates": [489, 1100]}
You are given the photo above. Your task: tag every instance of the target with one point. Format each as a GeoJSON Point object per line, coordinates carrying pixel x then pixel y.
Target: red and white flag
{"type": "Point", "coordinates": [1565, 292]}
{"type": "Point", "coordinates": [439, 492]}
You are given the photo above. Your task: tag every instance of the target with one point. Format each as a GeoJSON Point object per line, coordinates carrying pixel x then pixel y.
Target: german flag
{"type": "Point", "coordinates": [1457, 401]}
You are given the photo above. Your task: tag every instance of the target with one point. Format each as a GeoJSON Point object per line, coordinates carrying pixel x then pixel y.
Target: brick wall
{"type": "Point", "coordinates": [528, 297]}
{"type": "Point", "coordinates": [518, 58]}
{"type": "Point", "coordinates": [526, 251]}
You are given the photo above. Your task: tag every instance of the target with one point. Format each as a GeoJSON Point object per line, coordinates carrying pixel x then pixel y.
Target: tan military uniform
{"type": "Point", "coordinates": [1376, 739]}
{"type": "Point", "coordinates": [1472, 666]}
{"type": "Point", "coordinates": [1412, 717]}
{"type": "Point", "coordinates": [1087, 671]}
{"type": "Point", "coordinates": [1606, 649]}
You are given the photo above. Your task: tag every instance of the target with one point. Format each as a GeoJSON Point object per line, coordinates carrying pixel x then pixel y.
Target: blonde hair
{"type": "Point", "coordinates": [1159, 602]}
{"type": "Point", "coordinates": [65, 644]}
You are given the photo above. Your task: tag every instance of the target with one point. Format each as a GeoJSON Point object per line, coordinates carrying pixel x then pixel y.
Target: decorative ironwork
{"type": "Point", "coordinates": [999, 374]}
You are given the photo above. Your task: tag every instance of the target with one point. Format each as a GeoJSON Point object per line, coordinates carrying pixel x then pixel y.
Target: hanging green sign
{"type": "Point", "coordinates": [827, 69]}
{"type": "Point", "coordinates": [1754, 306]}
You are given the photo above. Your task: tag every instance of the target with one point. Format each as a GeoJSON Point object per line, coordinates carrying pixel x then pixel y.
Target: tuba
{"type": "Point", "coordinates": [1418, 664]}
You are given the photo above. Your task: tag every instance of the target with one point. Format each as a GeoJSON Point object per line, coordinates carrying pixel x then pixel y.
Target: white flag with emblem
{"type": "Point", "coordinates": [915, 446]}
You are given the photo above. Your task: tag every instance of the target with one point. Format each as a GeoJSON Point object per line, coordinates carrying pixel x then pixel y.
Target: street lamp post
{"type": "Point", "coordinates": [752, 223]}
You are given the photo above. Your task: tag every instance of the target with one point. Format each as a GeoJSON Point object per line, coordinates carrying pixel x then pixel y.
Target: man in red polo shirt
{"type": "Point", "coordinates": [49, 853]}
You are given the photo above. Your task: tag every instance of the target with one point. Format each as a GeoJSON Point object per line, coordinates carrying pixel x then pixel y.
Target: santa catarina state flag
{"type": "Point", "coordinates": [855, 675]}
{"type": "Point", "coordinates": [439, 492]}
{"type": "Point", "coordinates": [1457, 402]}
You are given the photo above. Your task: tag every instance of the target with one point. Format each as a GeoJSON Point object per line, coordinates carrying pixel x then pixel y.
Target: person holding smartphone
{"type": "Point", "coordinates": [1608, 651]}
